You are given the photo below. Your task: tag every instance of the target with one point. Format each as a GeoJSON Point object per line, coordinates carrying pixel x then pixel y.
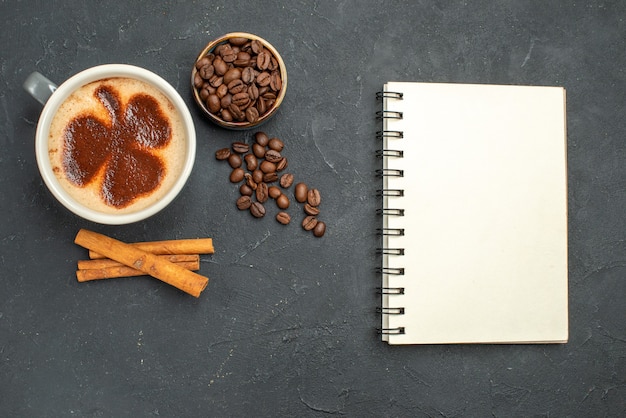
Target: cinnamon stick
{"type": "Point", "coordinates": [123, 271]}
{"type": "Point", "coordinates": [129, 255]}
{"type": "Point", "coordinates": [176, 246]}
{"type": "Point", "coordinates": [102, 263]}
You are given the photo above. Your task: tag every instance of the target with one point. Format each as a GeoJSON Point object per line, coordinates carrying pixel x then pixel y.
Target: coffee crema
{"type": "Point", "coordinates": [117, 145]}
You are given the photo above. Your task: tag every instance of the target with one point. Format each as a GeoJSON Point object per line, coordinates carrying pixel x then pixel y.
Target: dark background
{"type": "Point", "coordinates": [287, 324]}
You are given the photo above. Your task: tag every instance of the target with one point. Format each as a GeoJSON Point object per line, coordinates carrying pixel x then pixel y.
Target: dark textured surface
{"type": "Point", "coordinates": [286, 326]}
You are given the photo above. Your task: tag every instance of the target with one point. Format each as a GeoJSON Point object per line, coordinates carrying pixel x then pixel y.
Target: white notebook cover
{"type": "Point", "coordinates": [485, 214]}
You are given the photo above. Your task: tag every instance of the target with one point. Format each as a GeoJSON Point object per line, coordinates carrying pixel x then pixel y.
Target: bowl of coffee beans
{"type": "Point", "coordinates": [239, 80]}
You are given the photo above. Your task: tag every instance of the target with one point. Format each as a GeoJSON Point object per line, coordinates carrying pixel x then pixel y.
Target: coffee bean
{"type": "Point", "coordinates": [251, 162]}
{"type": "Point", "coordinates": [227, 100]}
{"type": "Point", "coordinates": [245, 190]}
{"type": "Point", "coordinates": [237, 175]}
{"type": "Point", "coordinates": [243, 59]}
{"type": "Point", "coordinates": [309, 223]}
{"type": "Point", "coordinates": [263, 59]}
{"type": "Point", "coordinates": [244, 202]}
{"type": "Point", "coordinates": [237, 86]}
{"type": "Point", "coordinates": [257, 210]}
{"type": "Point", "coordinates": [257, 176]}
{"type": "Point", "coordinates": [262, 139]}
{"type": "Point", "coordinates": [220, 66]}
{"type": "Point", "coordinates": [274, 192]}
{"type": "Point", "coordinates": [250, 181]}
{"type": "Point", "coordinates": [262, 193]}
{"type": "Point", "coordinates": [268, 167]}
{"type": "Point", "coordinates": [273, 156]}
{"type": "Point", "coordinates": [234, 160]}
{"type": "Point", "coordinates": [311, 210]}
{"type": "Point", "coordinates": [213, 103]}
{"type": "Point", "coordinates": [276, 144]}
{"type": "Point", "coordinates": [258, 150]}
{"type": "Point", "coordinates": [286, 180]}
{"type": "Point", "coordinates": [206, 71]}
{"type": "Point", "coordinates": [283, 218]}
{"type": "Point", "coordinates": [313, 197]}
{"type": "Point", "coordinates": [232, 75]}
{"type": "Point", "coordinates": [282, 201]}
{"type": "Point", "coordinates": [240, 147]}
{"type": "Point", "coordinates": [320, 229]}
{"type": "Point", "coordinates": [203, 61]}
{"type": "Point", "coordinates": [300, 192]}
{"type": "Point", "coordinates": [252, 114]}
{"type": "Point", "coordinates": [236, 112]}
{"type": "Point", "coordinates": [282, 164]}
{"type": "Point", "coordinates": [270, 177]}
{"type": "Point", "coordinates": [222, 154]}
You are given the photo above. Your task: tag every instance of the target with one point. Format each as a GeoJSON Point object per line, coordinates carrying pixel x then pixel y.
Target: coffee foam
{"type": "Point", "coordinates": [84, 102]}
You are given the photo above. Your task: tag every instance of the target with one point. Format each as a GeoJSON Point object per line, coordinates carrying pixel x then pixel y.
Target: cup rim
{"type": "Point", "coordinates": [58, 97]}
{"type": "Point", "coordinates": [240, 125]}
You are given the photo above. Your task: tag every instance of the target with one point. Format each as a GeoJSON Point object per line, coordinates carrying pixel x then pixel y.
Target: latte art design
{"type": "Point", "coordinates": [117, 145]}
{"type": "Point", "coordinates": [120, 146]}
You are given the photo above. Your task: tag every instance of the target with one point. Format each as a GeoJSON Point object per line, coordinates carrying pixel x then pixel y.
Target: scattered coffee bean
{"type": "Point", "coordinates": [237, 175]}
{"type": "Point", "coordinates": [244, 202]}
{"type": "Point", "coordinates": [251, 162]}
{"type": "Point", "coordinates": [274, 192]}
{"type": "Point", "coordinates": [234, 160]}
{"type": "Point", "coordinates": [313, 197]}
{"type": "Point", "coordinates": [258, 150]}
{"type": "Point", "coordinates": [320, 229]}
{"type": "Point", "coordinates": [262, 139]}
{"type": "Point", "coordinates": [250, 181]}
{"type": "Point", "coordinates": [262, 193]}
{"type": "Point", "coordinates": [301, 192]}
{"type": "Point", "coordinates": [261, 171]}
{"type": "Point", "coordinates": [222, 154]}
{"type": "Point", "coordinates": [270, 177]}
{"type": "Point", "coordinates": [281, 165]}
{"type": "Point", "coordinates": [267, 167]}
{"type": "Point", "coordinates": [309, 223]}
{"type": "Point", "coordinates": [282, 201]}
{"type": "Point", "coordinates": [240, 147]}
{"type": "Point", "coordinates": [245, 190]}
{"type": "Point", "coordinates": [273, 156]}
{"type": "Point", "coordinates": [311, 210]}
{"type": "Point", "coordinates": [257, 210]}
{"type": "Point", "coordinates": [283, 218]}
{"type": "Point", "coordinates": [286, 180]}
{"type": "Point", "coordinates": [257, 175]}
{"type": "Point", "coordinates": [276, 144]}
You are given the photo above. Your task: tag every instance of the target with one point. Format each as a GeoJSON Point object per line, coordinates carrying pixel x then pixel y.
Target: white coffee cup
{"type": "Point", "coordinates": [51, 96]}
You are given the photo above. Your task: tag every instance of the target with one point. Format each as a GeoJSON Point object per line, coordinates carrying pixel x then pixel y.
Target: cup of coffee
{"type": "Point", "coordinates": [114, 144]}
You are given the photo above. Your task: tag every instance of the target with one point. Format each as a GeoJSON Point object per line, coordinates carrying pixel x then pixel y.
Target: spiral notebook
{"type": "Point", "coordinates": [474, 214]}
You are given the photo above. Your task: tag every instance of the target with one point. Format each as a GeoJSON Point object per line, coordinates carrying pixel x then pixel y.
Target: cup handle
{"type": "Point", "coordinates": [39, 87]}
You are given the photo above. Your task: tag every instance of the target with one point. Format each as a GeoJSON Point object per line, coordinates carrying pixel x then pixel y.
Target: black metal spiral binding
{"type": "Point", "coordinates": [390, 311]}
{"type": "Point", "coordinates": [396, 232]}
{"type": "Point", "coordinates": [390, 290]}
{"type": "Point", "coordinates": [391, 331]}
{"type": "Point", "coordinates": [390, 212]}
{"type": "Point", "coordinates": [389, 114]}
{"type": "Point", "coordinates": [390, 192]}
{"type": "Point", "coordinates": [390, 251]}
{"type": "Point", "coordinates": [386, 153]}
{"type": "Point", "coordinates": [395, 271]}
{"type": "Point", "coordinates": [389, 95]}
{"type": "Point", "coordinates": [389, 136]}
{"type": "Point", "coordinates": [390, 172]}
